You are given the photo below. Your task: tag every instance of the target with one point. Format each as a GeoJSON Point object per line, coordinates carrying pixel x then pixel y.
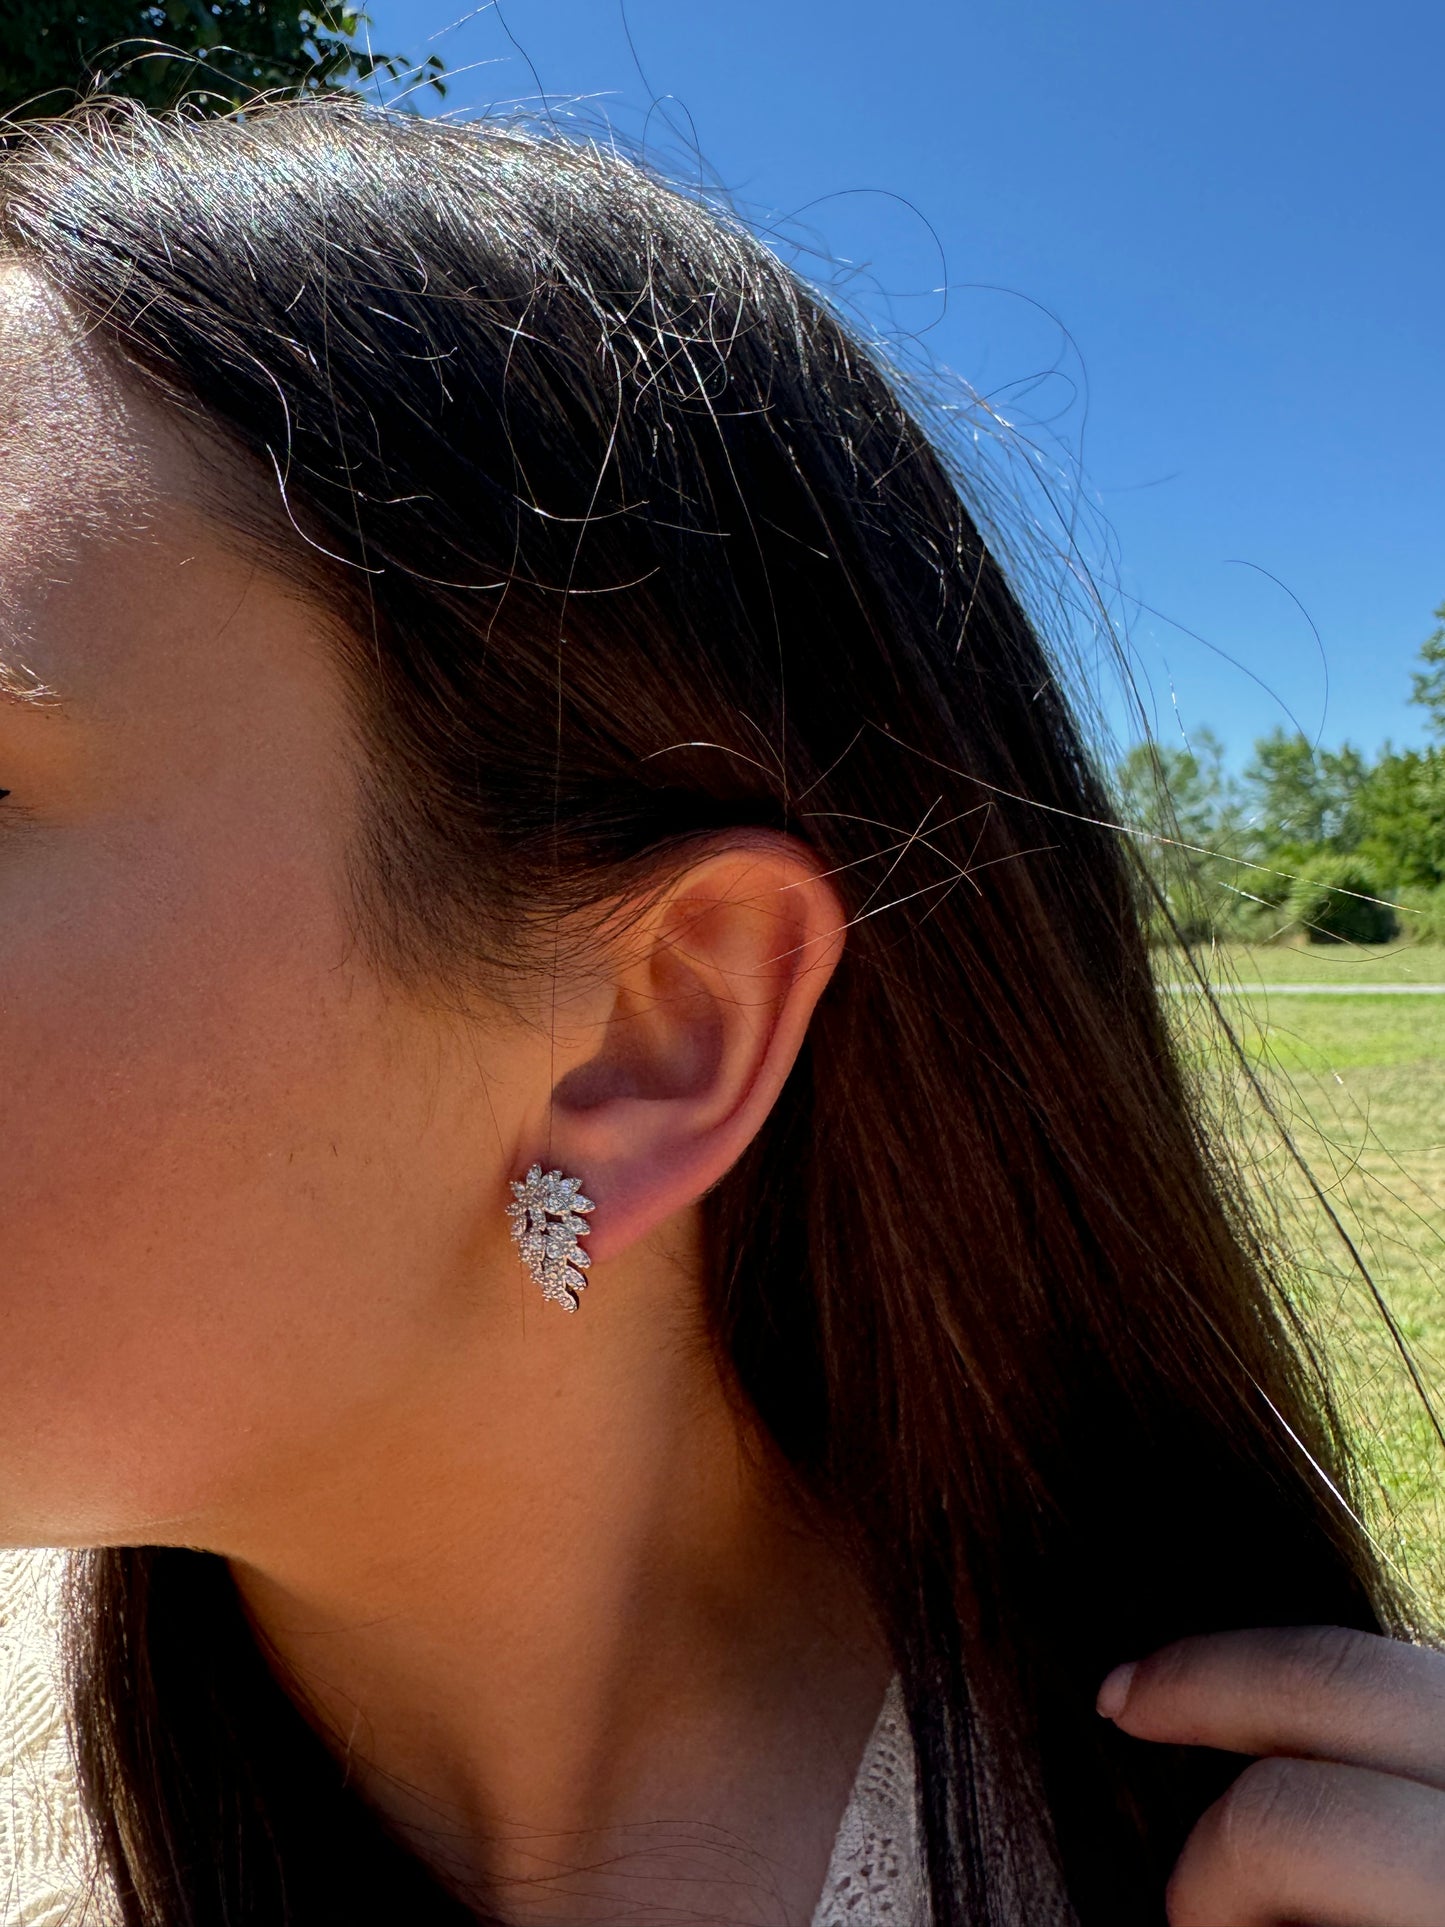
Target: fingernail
{"type": "Point", "coordinates": [1114, 1693]}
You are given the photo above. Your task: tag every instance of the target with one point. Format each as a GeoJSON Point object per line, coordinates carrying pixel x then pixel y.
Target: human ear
{"type": "Point", "coordinates": [703, 1018]}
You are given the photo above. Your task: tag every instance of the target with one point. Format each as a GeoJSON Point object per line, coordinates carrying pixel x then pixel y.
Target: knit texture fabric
{"type": "Point", "coordinates": [42, 1840]}
{"type": "Point", "coordinates": [873, 1875]}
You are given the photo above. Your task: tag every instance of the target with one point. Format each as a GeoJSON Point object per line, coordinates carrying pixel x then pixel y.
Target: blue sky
{"type": "Point", "coordinates": [1219, 226]}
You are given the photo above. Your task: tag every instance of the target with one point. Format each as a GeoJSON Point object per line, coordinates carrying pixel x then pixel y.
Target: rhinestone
{"type": "Point", "coordinates": [548, 1216]}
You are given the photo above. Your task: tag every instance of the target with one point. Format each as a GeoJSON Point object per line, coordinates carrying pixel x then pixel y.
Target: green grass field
{"type": "Point", "coordinates": [1359, 1081]}
{"type": "Point", "coordinates": [1326, 963]}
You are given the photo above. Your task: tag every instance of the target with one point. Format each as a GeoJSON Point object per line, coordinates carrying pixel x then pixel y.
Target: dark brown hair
{"type": "Point", "coordinates": [632, 541]}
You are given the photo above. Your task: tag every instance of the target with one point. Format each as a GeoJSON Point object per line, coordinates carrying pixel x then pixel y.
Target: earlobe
{"type": "Point", "coordinates": [713, 990]}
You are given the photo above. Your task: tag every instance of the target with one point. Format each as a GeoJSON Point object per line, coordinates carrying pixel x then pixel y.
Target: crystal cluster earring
{"type": "Point", "coordinates": [549, 1215]}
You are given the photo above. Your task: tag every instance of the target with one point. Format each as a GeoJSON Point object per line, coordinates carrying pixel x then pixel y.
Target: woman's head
{"type": "Point", "coordinates": [485, 577]}
{"type": "Point", "coordinates": [499, 597]}
{"type": "Point", "coordinates": [256, 1202]}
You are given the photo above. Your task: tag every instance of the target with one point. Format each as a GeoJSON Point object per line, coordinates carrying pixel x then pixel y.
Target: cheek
{"type": "Point", "coordinates": [210, 1182]}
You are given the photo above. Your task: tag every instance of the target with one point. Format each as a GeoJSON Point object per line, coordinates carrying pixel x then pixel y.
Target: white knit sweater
{"type": "Point", "coordinates": [872, 1878]}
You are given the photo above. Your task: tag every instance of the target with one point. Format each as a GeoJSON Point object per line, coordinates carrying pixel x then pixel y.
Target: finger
{"type": "Point", "coordinates": [1318, 1691]}
{"type": "Point", "coordinates": [1300, 1840]}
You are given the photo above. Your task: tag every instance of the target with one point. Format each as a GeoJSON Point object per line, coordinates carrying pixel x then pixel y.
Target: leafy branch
{"type": "Point", "coordinates": [218, 54]}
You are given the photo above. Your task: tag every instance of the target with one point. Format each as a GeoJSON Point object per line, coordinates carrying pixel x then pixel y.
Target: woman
{"type": "Point", "coordinates": [498, 684]}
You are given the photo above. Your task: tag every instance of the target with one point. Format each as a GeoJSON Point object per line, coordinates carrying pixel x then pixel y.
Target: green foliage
{"type": "Point", "coordinates": [216, 53]}
{"type": "Point", "coordinates": [1334, 899]}
{"type": "Point", "coordinates": [1429, 683]}
{"type": "Point", "coordinates": [1180, 805]}
{"type": "Point", "coordinates": [1402, 815]}
{"type": "Point", "coordinates": [1176, 792]}
{"type": "Point", "coordinates": [1425, 915]}
{"type": "Point", "coordinates": [1298, 794]}
{"type": "Point", "coordinates": [1303, 839]}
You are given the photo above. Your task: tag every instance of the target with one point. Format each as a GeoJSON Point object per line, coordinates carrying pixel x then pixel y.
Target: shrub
{"type": "Point", "coordinates": [1335, 900]}
{"type": "Point", "coordinates": [1425, 914]}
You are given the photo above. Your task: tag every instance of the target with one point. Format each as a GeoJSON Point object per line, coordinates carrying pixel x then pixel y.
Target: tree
{"type": "Point", "coordinates": [1301, 797]}
{"type": "Point", "coordinates": [216, 53]}
{"type": "Point", "coordinates": [1402, 807]}
{"type": "Point", "coordinates": [1429, 683]}
{"type": "Point", "coordinates": [1322, 831]}
{"type": "Point", "coordinates": [1182, 805]}
{"type": "Point", "coordinates": [1177, 792]}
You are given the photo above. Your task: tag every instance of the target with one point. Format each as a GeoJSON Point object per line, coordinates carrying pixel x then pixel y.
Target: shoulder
{"type": "Point", "coordinates": [41, 1836]}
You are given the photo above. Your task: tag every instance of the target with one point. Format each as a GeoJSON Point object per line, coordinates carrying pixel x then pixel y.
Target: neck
{"type": "Point", "coordinates": [578, 1642]}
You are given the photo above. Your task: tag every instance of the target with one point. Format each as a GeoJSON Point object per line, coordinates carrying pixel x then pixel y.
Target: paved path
{"type": "Point", "coordinates": [1311, 990]}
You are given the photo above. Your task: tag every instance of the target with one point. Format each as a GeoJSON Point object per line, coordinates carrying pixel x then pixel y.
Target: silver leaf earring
{"type": "Point", "coordinates": [549, 1215]}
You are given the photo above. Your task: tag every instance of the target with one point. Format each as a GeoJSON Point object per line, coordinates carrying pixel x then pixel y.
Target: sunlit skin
{"type": "Point", "coordinates": [537, 1572]}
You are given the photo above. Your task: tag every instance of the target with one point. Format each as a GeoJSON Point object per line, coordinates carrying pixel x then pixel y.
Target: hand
{"type": "Point", "coordinates": [1341, 1820]}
